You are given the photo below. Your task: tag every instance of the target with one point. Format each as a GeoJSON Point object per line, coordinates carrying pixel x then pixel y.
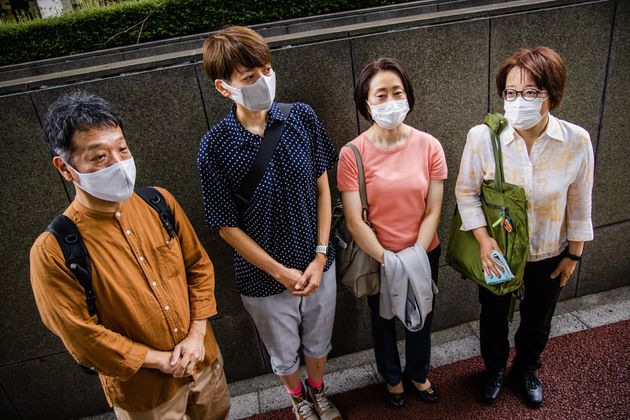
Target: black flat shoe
{"type": "Point", "coordinates": [492, 385]}
{"type": "Point", "coordinates": [429, 395]}
{"type": "Point", "coordinates": [395, 399]}
{"type": "Point", "coordinates": [532, 388]}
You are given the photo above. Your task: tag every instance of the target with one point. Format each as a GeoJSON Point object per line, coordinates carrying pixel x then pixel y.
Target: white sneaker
{"type": "Point", "coordinates": [303, 409]}
{"type": "Point", "coordinates": [322, 405]}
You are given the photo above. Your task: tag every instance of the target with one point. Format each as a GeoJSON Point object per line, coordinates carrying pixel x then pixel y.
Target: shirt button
{"type": "Point", "coordinates": [175, 329]}
{"type": "Point", "coordinates": [118, 214]}
{"type": "Point", "coordinates": [141, 258]}
{"type": "Point", "coordinates": [154, 284]}
{"type": "Point", "coordinates": [128, 232]}
{"type": "Point", "coordinates": [166, 308]}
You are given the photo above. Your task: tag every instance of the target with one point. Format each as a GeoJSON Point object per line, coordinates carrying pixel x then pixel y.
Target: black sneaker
{"type": "Point", "coordinates": [492, 385]}
{"type": "Point", "coordinates": [532, 387]}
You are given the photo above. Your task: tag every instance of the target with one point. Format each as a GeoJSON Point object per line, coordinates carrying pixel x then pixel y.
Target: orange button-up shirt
{"type": "Point", "coordinates": [148, 288]}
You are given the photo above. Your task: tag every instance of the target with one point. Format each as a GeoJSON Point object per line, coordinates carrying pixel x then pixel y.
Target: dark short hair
{"type": "Point", "coordinates": [546, 67]}
{"type": "Point", "coordinates": [366, 75]}
{"type": "Point", "coordinates": [231, 47]}
{"type": "Point", "coordinates": [76, 111]}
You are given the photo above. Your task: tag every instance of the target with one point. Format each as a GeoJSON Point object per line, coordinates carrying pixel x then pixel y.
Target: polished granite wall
{"type": "Point", "coordinates": [167, 110]}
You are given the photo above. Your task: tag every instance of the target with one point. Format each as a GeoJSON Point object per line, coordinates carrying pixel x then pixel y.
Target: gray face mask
{"type": "Point", "coordinates": [114, 183]}
{"type": "Point", "coordinates": [256, 97]}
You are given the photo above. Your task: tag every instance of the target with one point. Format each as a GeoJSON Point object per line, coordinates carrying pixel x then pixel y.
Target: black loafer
{"type": "Point", "coordinates": [532, 387]}
{"type": "Point", "coordinates": [492, 385]}
{"type": "Point", "coordinates": [395, 399]}
{"type": "Point", "coordinates": [429, 395]}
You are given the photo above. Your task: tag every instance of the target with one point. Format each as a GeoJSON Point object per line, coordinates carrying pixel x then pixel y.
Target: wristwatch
{"type": "Point", "coordinates": [321, 249]}
{"type": "Point", "coordinates": [571, 256]}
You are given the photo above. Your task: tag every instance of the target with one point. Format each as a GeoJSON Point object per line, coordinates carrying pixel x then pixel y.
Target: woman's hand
{"type": "Point", "coordinates": [487, 244]}
{"type": "Point", "coordinates": [565, 269]}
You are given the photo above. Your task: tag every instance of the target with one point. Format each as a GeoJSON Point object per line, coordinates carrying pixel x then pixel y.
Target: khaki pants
{"type": "Point", "coordinates": [207, 398]}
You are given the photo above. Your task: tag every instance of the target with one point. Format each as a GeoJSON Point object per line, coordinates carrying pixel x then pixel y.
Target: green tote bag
{"type": "Point", "coordinates": [505, 208]}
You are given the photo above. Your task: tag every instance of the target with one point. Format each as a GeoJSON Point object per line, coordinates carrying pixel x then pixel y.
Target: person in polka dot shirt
{"type": "Point", "coordinates": [283, 257]}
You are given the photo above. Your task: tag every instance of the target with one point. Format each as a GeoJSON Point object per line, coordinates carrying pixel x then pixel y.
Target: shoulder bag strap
{"type": "Point", "coordinates": [76, 255]}
{"type": "Point", "coordinates": [257, 170]}
{"type": "Point", "coordinates": [154, 199]}
{"type": "Point", "coordinates": [496, 122]}
{"type": "Point", "coordinates": [362, 188]}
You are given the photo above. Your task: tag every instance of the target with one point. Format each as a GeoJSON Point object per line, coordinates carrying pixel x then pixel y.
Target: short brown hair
{"type": "Point", "coordinates": [546, 67]}
{"type": "Point", "coordinates": [231, 47]}
{"type": "Point", "coordinates": [366, 75]}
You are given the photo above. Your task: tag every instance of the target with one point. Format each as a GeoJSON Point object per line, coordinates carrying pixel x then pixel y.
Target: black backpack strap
{"type": "Point", "coordinates": [270, 141]}
{"type": "Point", "coordinates": [154, 199]}
{"type": "Point", "coordinates": [76, 255]}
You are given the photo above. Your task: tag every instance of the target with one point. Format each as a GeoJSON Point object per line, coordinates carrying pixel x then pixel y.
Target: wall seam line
{"type": "Point", "coordinates": [606, 75]}
{"type": "Point", "coordinates": [203, 102]}
{"type": "Point", "coordinates": [489, 63]}
{"type": "Point", "coordinates": [11, 401]}
{"type": "Point", "coordinates": [354, 81]}
{"type": "Point", "coordinates": [31, 359]}
{"type": "Point", "coordinates": [41, 125]}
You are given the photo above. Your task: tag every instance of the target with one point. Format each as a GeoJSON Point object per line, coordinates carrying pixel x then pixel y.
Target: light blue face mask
{"type": "Point", "coordinates": [114, 183]}
{"type": "Point", "coordinates": [256, 97]}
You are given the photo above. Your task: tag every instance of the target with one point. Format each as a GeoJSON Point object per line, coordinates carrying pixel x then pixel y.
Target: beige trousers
{"type": "Point", "coordinates": [207, 398]}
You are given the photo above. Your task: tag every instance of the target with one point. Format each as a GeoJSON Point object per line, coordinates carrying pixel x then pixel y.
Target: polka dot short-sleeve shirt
{"type": "Point", "coordinates": [282, 215]}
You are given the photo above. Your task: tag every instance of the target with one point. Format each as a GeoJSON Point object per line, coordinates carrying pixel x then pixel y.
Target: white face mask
{"type": "Point", "coordinates": [256, 97]}
{"type": "Point", "coordinates": [114, 183]}
{"type": "Point", "coordinates": [522, 114]}
{"type": "Point", "coordinates": [390, 114]}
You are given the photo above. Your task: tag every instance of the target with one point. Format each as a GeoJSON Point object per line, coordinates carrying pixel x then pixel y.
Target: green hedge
{"type": "Point", "coordinates": [95, 29]}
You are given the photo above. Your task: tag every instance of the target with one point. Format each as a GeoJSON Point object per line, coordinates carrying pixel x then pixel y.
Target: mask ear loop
{"type": "Point", "coordinates": [71, 168]}
{"type": "Point", "coordinates": [225, 85]}
{"type": "Point", "coordinates": [369, 109]}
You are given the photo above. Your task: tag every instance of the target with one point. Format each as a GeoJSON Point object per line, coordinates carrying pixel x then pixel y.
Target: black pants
{"type": "Point", "coordinates": [417, 344]}
{"type": "Point", "coordinates": [537, 309]}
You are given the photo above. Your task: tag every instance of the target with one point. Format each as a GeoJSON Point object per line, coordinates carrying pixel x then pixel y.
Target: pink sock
{"type": "Point", "coordinates": [297, 391]}
{"type": "Point", "coordinates": [314, 384]}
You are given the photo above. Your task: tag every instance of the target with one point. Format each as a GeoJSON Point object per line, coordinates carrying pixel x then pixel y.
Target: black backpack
{"type": "Point", "coordinates": [76, 255]}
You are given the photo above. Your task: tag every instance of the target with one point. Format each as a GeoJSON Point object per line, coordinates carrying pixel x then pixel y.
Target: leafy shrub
{"type": "Point", "coordinates": [130, 22]}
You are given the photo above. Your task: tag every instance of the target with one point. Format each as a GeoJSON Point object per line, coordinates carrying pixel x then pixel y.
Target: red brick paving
{"type": "Point", "coordinates": [586, 375]}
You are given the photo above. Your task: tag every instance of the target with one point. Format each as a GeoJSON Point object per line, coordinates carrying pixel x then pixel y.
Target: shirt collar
{"type": "Point", "coordinates": [553, 131]}
{"type": "Point", "coordinates": [274, 114]}
{"type": "Point", "coordinates": [97, 214]}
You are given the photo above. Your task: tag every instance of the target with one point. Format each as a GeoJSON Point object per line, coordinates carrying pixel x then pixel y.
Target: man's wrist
{"type": "Point", "coordinates": [198, 326]}
{"type": "Point", "coordinates": [321, 258]}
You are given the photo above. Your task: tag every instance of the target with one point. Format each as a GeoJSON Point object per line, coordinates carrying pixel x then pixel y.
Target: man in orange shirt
{"type": "Point", "coordinates": [150, 340]}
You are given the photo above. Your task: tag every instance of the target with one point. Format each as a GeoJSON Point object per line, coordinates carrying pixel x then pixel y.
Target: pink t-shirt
{"type": "Point", "coordinates": [397, 183]}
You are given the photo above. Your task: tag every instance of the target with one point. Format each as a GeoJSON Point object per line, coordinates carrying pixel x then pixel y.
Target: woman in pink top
{"type": "Point", "coordinates": [404, 171]}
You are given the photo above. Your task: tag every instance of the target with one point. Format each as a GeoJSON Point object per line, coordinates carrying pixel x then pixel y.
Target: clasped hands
{"type": "Point", "coordinates": [183, 359]}
{"type": "Point", "coordinates": [305, 283]}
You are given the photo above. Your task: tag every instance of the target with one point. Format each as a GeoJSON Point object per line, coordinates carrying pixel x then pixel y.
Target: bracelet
{"type": "Point", "coordinates": [570, 256]}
